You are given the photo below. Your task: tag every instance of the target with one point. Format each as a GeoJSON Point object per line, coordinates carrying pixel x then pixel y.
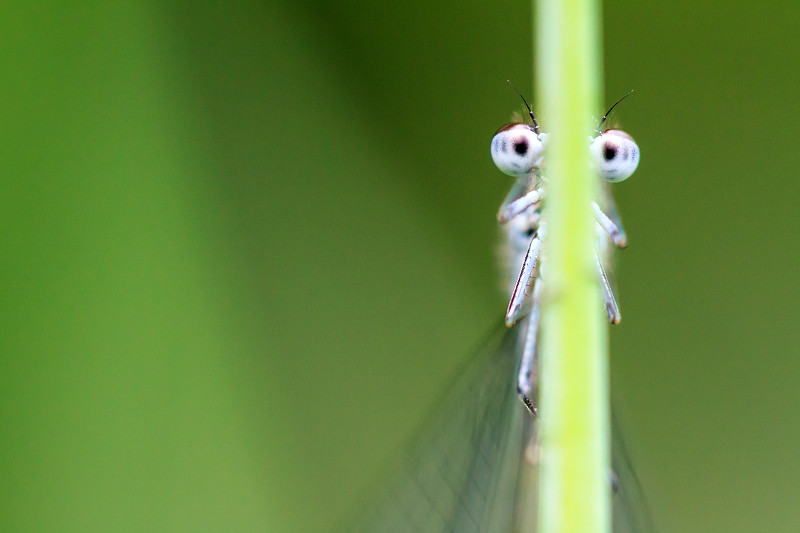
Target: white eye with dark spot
{"type": "Point", "coordinates": [517, 149]}
{"type": "Point", "coordinates": [616, 155]}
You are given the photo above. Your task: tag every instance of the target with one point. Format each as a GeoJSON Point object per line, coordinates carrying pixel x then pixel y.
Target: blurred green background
{"type": "Point", "coordinates": [245, 245]}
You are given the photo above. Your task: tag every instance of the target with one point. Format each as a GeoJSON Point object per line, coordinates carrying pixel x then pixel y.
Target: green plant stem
{"type": "Point", "coordinates": [574, 485]}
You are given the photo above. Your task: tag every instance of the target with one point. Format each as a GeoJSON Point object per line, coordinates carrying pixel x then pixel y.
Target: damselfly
{"type": "Point", "coordinates": [471, 468]}
{"type": "Point", "coordinates": [518, 149]}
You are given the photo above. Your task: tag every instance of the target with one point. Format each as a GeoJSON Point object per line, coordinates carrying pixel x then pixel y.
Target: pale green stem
{"type": "Point", "coordinates": [574, 483]}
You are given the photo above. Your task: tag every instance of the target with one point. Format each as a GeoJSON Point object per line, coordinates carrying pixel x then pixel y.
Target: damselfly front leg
{"type": "Point", "coordinates": [614, 229]}
{"type": "Point", "coordinates": [531, 199]}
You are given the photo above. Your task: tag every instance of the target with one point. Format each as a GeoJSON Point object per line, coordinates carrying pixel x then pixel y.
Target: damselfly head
{"type": "Point", "coordinates": [517, 149]}
{"type": "Point", "coordinates": [616, 155]}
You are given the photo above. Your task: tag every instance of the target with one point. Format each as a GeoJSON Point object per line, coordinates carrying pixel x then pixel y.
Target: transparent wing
{"type": "Point", "coordinates": [461, 473]}
{"type": "Point", "coordinates": [466, 471]}
{"type": "Point", "coordinates": [631, 510]}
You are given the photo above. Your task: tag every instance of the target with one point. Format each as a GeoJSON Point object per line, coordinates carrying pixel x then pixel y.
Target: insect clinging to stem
{"type": "Point", "coordinates": [519, 150]}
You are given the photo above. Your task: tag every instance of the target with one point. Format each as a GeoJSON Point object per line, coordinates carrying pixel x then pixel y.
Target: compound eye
{"type": "Point", "coordinates": [616, 155]}
{"type": "Point", "coordinates": [517, 150]}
